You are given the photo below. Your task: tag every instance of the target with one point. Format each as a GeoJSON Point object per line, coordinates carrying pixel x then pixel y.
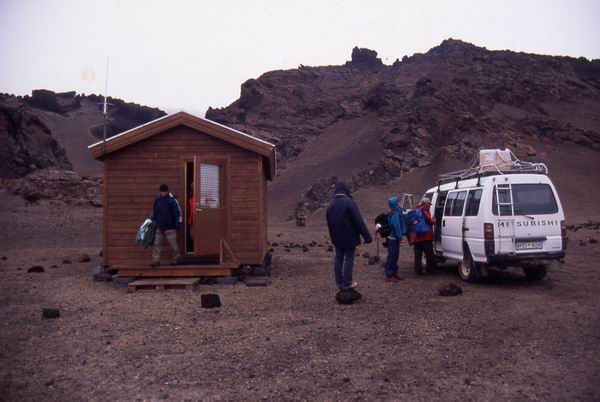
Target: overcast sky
{"type": "Point", "coordinates": [193, 54]}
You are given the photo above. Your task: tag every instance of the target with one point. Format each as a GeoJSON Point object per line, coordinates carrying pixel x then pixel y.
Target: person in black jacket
{"type": "Point", "coordinates": [167, 219]}
{"type": "Point", "coordinates": [346, 226]}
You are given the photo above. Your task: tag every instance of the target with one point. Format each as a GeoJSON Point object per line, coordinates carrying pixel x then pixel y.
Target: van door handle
{"type": "Point", "coordinates": [465, 229]}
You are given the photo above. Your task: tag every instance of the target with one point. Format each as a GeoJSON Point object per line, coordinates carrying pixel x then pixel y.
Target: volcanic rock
{"type": "Point", "coordinates": [26, 143]}
{"type": "Point", "coordinates": [36, 268]}
{"type": "Point", "coordinates": [103, 273]}
{"type": "Point", "coordinates": [54, 102]}
{"type": "Point", "coordinates": [210, 300]}
{"type": "Point", "coordinates": [448, 102]}
{"type": "Point", "coordinates": [84, 258]}
{"type": "Point", "coordinates": [52, 184]}
{"type": "Point", "coordinates": [50, 313]}
{"type": "Point", "coordinates": [374, 260]}
{"type": "Point", "coordinates": [450, 290]}
{"type": "Point", "coordinates": [347, 296]}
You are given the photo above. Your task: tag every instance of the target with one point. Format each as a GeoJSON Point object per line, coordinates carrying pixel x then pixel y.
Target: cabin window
{"type": "Point", "coordinates": [210, 186]}
{"type": "Point", "coordinates": [473, 201]}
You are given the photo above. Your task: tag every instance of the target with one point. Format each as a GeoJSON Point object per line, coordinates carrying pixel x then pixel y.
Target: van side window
{"type": "Point", "coordinates": [459, 203]}
{"type": "Point", "coordinates": [449, 200]}
{"type": "Point", "coordinates": [473, 201]}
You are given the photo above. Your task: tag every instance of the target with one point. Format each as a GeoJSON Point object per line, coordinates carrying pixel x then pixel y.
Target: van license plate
{"type": "Point", "coordinates": [529, 245]}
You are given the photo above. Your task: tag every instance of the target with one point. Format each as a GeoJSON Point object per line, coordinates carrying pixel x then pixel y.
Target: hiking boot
{"type": "Point", "coordinates": [398, 277]}
{"type": "Point", "coordinates": [155, 264]}
{"type": "Point", "coordinates": [352, 286]}
{"type": "Point", "coordinates": [391, 279]}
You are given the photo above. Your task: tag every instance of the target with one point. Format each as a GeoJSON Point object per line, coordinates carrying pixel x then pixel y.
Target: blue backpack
{"type": "Point", "coordinates": [417, 221]}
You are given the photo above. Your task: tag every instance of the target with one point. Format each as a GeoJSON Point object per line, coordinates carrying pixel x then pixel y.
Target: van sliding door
{"type": "Point", "coordinates": [438, 215]}
{"type": "Point", "coordinates": [452, 225]}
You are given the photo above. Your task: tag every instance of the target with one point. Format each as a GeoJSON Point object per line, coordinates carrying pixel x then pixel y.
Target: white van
{"type": "Point", "coordinates": [501, 212]}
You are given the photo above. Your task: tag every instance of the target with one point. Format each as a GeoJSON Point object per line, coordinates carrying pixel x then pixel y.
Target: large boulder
{"type": "Point", "coordinates": [60, 185]}
{"type": "Point", "coordinates": [62, 102]}
{"type": "Point", "coordinates": [26, 143]}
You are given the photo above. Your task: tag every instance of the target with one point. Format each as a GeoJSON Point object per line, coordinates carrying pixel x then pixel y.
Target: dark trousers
{"type": "Point", "coordinates": [343, 264]}
{"type": "Point", "coordinates": [426, 247]}
{"type": "Point", "coordinates": [391, 264]}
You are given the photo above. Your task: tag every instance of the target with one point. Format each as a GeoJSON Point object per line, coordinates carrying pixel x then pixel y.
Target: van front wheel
{"type": "Point", "coordinates": [467, 268]}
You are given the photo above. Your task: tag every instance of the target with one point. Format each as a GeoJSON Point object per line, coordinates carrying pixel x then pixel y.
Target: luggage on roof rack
{"type": "Point", "coordinates": [495, 161]}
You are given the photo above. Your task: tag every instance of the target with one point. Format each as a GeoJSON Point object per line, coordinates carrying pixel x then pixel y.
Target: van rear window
{"type": "Point", "coordinates": [527, 199]}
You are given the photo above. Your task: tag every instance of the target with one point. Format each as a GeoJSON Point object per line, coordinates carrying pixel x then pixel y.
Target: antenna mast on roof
{"type": "Point", "coordinates": [105, 110]}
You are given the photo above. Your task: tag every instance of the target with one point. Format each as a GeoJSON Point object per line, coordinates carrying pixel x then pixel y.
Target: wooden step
{"type": "Point", "coordinates": [179, 270]}
{"type": "Point", "coordinates": [174, 272]}
{"type": "Point", "coordinates": [163, 283]}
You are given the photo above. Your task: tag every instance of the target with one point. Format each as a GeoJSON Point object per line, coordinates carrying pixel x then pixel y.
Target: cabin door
{"type": "Point", "coordinates": [210, 220]}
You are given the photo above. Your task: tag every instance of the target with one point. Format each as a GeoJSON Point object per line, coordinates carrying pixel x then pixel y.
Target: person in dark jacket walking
{"type": "Point", "coordinates": [167, 218]}
{"type": "Point", "coordinates": [397, 230]}
{"type": "Point", "coordinates": [423, 243]}
{"type": "Point", "coordinates": [346, 226]}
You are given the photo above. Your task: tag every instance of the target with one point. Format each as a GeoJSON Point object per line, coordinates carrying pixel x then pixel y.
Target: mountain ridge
{"type": "Point", "coordinates": [448, 102]}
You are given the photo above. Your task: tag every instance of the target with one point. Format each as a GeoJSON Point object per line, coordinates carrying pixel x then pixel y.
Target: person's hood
{"type": "Point", "coordinates": [342, 188]}
{"type": "Point", "coordinates": [393, 203]}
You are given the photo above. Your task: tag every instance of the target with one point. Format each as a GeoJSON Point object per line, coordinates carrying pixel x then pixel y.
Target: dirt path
{"type": "Point", "coordinates": [506, 339]}
{"type": "Point", "coordinates": [73, 133]}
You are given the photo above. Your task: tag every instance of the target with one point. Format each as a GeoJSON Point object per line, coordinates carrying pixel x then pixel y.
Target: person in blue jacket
{"type": "Point", "coordinates": [166, 215]}
{"type": "Point", "coordinates": [346, 226]}
{"type": "Point", "coordinates": [397, 230]}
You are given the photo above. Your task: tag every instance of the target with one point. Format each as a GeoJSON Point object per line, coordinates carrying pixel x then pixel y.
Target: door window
{"type": "Point", "coordinates": [459, 203]}
{"type": "Point", "coordinates": [473, 201]}
{"type": "Point", "coordinates": [210, 186]}
{"type": "Point", "coordinates": [449, 201]}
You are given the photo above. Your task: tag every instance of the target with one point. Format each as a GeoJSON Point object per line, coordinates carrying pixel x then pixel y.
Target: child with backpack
{"type": "Point", "coordinates": [422, 235]}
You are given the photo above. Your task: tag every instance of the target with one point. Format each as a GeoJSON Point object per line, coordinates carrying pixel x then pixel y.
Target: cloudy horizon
{"type": "Point", "coordinates": [187, 55]}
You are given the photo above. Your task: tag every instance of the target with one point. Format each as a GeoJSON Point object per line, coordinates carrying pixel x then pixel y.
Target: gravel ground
{"type": "Point", "coordinates": [505, 339]}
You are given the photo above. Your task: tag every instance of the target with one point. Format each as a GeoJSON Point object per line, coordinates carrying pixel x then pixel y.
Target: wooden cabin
{"type": "Point", "coordinates": [219, 176]}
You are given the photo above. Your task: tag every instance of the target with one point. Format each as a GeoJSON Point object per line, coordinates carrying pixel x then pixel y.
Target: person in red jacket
{"type": "Point", "coordinates": [423, 243]}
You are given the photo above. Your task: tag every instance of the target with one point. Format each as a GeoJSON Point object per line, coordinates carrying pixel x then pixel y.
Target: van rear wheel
{"type": "Point", "coordinates": [536, 273]}
{"type": "Point", "coordinates": [467, 268]}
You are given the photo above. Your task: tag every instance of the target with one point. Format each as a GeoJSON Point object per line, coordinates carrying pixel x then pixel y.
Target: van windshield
{"type": "Point", "coordinates": [528, 199]}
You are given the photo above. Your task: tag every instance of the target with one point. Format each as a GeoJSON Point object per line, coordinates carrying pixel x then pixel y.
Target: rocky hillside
{"type": "Point", "coordinates": [53, 130]}
{"type": "Point", "coordinates": [26, 143]}
{"type": "Point", "coordinates": [370, 123]}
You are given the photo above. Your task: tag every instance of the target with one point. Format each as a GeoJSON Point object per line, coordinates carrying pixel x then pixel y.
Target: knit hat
{"type": "Point", "coordinates": [425, 200]}
{"type": "Point", "coordinates": [163, 188]}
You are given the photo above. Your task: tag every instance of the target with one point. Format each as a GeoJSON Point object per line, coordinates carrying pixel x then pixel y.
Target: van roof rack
{"type": "Point", "coordinates": [495, 161]}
